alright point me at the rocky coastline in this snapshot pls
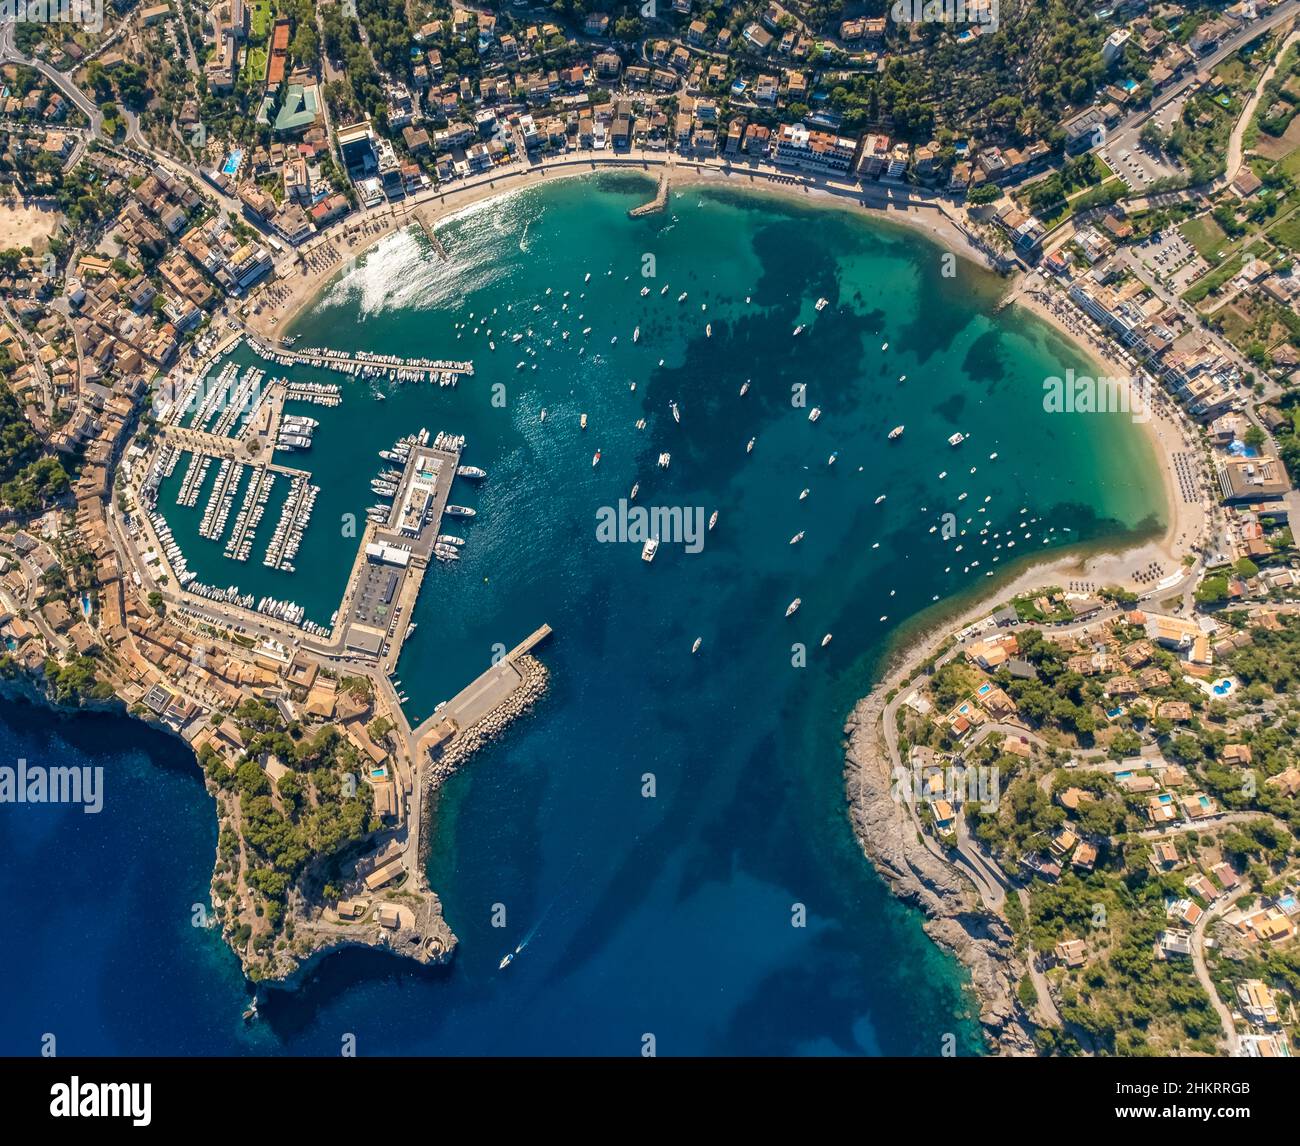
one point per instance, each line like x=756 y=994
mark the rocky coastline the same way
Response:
x=955 y=919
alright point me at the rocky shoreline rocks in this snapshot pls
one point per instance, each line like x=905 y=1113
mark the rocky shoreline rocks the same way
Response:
x=955 y=918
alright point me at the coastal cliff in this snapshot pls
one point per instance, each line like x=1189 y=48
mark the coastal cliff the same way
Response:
x=954 y=917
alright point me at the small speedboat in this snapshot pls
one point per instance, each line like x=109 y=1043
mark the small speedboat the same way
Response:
x=695 y=648
x=803 y=494
x=749 y=446
x=713 y=519
x=895 y=433
x=826 y=640
x=831 y=460
x=595 y=459
x=744 y=388
x=878 y=500
x=793 y=607
x=798 y=537
x=582 y=421
x=636 y=486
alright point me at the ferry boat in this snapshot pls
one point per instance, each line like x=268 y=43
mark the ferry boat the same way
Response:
x=595 y=459
x=749 y=446
x=713 y=519
x=744 y=388
x=695 y=648
x=822 y=304
x=895 y=433
x=677 y=414
x=636 y=487
x=649 y=549
x=798 y=537
x=471 y=472
x=793 y=607
x=582 y=422
x=826 y=640
x=956 y=439
x=460 y=511
x=814 y=413
x=664 y=459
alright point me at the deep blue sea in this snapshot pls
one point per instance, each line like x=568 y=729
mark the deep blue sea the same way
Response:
x=668 y=915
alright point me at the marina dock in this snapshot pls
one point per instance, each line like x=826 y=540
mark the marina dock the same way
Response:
x=393 y=558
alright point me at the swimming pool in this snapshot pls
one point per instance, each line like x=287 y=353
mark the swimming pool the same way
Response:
x=233 y=160
x=1224 y=686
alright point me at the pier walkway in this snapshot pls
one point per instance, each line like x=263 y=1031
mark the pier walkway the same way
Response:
x=488 y=692
x=658 y=203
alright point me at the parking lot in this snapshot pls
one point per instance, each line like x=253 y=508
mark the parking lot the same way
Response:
x=1136 y=164
x=1169 y=258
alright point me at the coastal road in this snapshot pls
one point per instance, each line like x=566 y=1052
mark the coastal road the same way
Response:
x=1125 y=135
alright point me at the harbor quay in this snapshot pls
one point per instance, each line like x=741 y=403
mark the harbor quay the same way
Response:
x=225 y=416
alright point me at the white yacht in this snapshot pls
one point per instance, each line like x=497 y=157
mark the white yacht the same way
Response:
x=814 y=413
x=956 y=439
x=649 y=549
x=793 y=607
x=895 y=433
x=798 y=537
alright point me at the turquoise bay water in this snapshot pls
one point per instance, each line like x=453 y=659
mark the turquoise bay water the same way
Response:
x=668 y=914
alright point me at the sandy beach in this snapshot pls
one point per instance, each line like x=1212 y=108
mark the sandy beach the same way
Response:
x=273 y=306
